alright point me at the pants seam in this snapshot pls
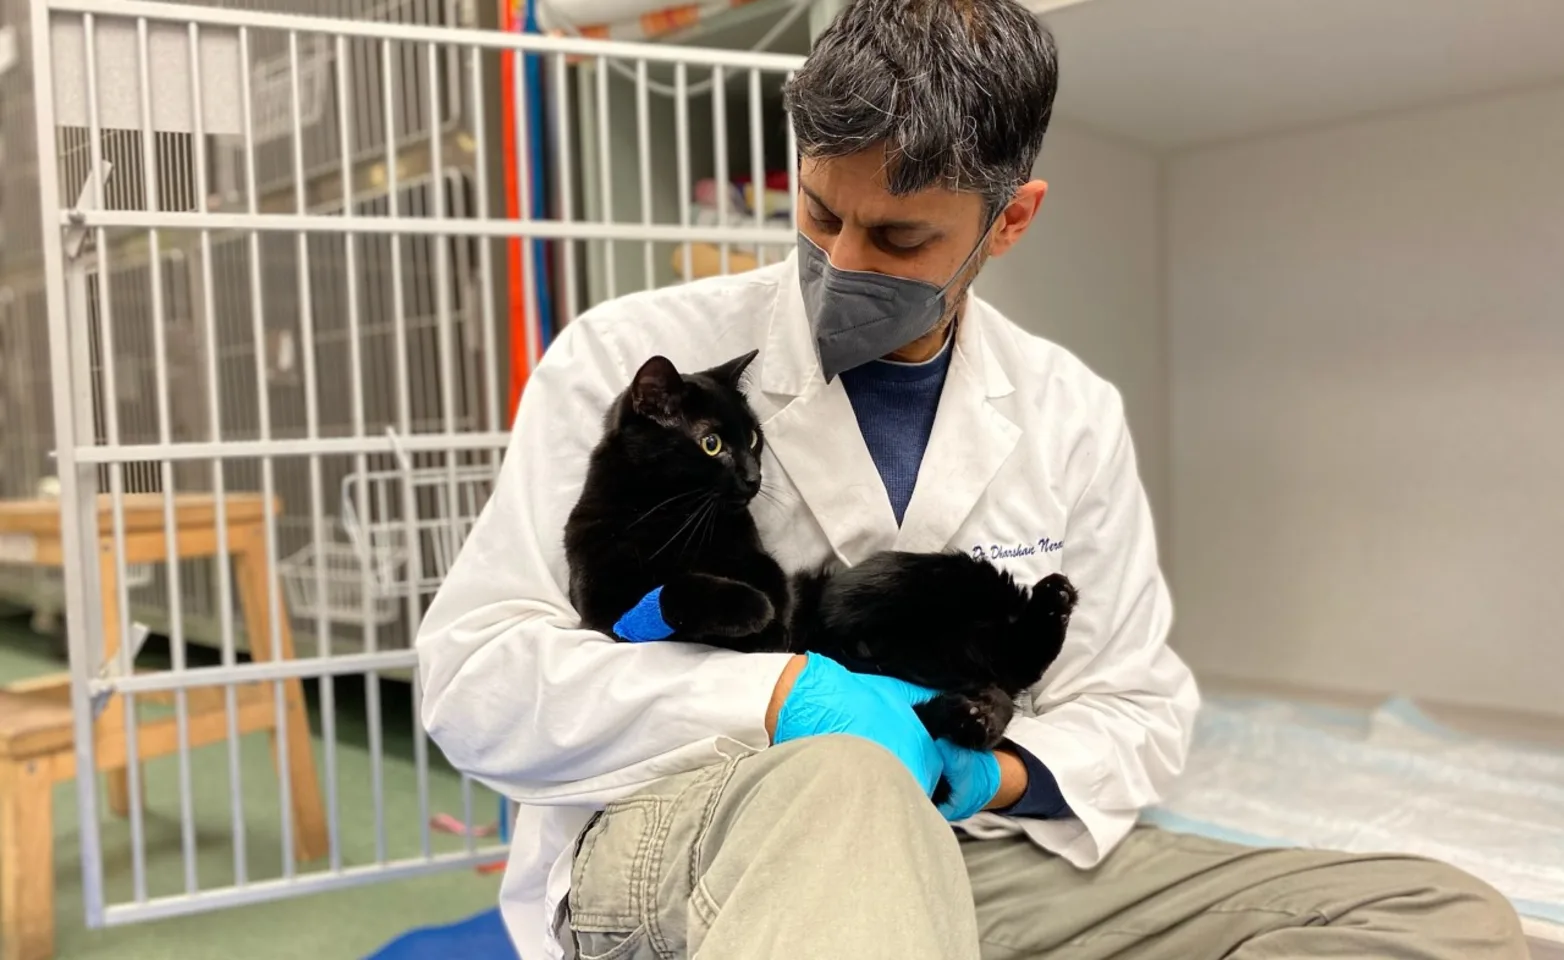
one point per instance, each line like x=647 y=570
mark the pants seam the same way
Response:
x=655 y=937
x=1279 y=911
x=648 y=856
x=1293 y=915
x=651 y=809
x=722 y=775
x=657 y=839
x=704 y=904
x=700 y=899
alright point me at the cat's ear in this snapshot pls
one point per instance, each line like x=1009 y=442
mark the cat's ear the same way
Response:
x=656 y=390
x=730 y=372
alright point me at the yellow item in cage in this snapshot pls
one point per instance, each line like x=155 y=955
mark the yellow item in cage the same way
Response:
x=706 y=261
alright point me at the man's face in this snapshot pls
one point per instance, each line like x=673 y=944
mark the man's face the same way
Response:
x=846 y=210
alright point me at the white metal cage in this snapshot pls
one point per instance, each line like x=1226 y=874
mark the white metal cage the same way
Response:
x=309 y=306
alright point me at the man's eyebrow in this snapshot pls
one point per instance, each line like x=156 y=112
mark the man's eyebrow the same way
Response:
x=876 y=225
x=816 y=198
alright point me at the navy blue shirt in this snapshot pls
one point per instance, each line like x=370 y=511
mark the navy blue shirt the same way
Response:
x=895 y=405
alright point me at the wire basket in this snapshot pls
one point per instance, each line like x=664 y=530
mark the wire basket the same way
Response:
x=271 y=83
x=436 y=505
x=338 y=567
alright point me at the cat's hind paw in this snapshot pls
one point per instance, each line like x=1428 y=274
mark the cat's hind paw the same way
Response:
x=1056 y=596
x=977 y=722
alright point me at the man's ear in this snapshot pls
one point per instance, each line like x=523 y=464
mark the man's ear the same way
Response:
x=730 y=372
x=656 y=390
x=1017 y=215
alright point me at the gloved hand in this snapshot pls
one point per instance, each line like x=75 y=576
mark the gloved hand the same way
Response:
x=973 y=776
x=828 y=698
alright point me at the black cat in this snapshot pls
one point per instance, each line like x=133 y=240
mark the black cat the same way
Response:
x=666 y=503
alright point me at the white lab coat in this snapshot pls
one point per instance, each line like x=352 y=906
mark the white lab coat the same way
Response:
x=1030 y=463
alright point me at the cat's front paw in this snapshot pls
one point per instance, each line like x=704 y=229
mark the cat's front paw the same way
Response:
x=737 y=610
x=701 y=605
x=977 y=722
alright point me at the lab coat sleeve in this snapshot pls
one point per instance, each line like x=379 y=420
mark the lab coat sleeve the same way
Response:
x=1115 y=711
x=514 y=692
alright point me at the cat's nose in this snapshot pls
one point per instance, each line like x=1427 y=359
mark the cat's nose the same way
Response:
x=750 y=477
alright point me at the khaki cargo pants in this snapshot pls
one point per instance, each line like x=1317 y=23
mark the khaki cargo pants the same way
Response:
x=824 y=849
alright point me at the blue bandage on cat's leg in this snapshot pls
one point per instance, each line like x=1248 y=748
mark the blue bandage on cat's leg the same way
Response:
x=645 y=620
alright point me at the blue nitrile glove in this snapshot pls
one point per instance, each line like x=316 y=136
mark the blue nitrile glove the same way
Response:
x=645 y=620
x=828 y=698
x=973 y=776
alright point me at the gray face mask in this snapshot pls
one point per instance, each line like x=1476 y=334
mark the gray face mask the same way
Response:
x=859 y=316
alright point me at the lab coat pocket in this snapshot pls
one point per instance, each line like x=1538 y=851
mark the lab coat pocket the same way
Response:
x=610 y=878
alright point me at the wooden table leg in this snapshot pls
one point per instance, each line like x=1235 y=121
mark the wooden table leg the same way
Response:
x=113 y=716
x=26 y=859
x=255 y=583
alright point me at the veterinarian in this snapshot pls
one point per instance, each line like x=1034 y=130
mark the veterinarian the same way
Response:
x=766 y=806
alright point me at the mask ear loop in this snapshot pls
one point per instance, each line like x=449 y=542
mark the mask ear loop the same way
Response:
x=955 y=320
x=982 y=242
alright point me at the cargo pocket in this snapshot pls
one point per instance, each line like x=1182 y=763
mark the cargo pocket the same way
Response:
x=611 y=880
x=612 y=946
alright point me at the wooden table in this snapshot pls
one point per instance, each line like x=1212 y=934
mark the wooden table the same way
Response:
x=37 y=748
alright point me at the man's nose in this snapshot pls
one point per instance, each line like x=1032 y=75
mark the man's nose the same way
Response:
x=851 y=250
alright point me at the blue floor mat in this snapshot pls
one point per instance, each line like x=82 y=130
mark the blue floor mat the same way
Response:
x=479 y=937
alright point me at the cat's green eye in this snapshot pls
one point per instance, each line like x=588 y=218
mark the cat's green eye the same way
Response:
x=754 y=439
x=711 y=444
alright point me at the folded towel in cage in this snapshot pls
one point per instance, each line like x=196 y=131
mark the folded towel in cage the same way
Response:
x=1271 y=773
x=775 y=200
x=707 y=259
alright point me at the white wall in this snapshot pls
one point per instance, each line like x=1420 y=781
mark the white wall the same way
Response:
x=1088 y=276
x=1367 y=370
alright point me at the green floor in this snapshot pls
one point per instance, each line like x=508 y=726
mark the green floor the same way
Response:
x=341 y=924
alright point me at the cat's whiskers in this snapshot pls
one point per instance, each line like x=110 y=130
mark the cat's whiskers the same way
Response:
x=706 y=504
x=677 y=496
x=768 y=492
x=703 y=526
x=708 y=526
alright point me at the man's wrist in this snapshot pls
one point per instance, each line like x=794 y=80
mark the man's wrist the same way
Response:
x=1012 y=780
x=780 y=691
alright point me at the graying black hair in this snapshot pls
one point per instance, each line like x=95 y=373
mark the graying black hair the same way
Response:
x=959 y=92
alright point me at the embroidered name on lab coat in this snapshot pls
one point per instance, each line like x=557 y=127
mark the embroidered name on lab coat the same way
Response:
x=995 y=551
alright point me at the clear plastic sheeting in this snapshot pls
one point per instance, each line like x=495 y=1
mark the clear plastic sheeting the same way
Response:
x=1271 y=773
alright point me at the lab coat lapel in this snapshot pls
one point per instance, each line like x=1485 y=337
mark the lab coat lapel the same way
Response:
x=970 y=441
x=814 y=435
